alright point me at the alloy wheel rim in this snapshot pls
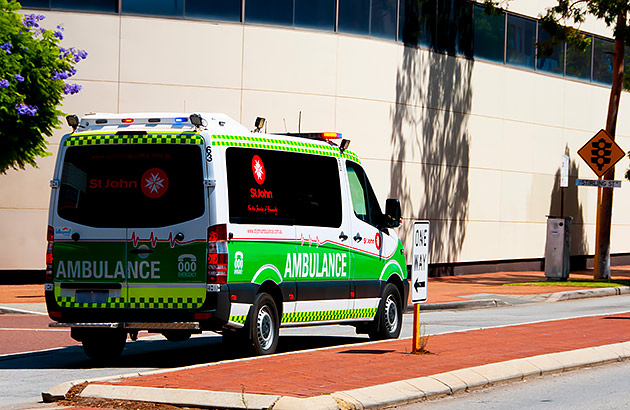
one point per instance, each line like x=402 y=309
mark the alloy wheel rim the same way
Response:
x=264 y=328
x=391 y=314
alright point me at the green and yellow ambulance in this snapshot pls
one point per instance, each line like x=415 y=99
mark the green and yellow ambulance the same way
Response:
x=181 y=223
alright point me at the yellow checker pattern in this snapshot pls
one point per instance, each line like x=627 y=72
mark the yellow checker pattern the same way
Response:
x=164 y=303
x=327 y=315
x=319 y=316
x=109 y=139
x=282 y=145
x=134 y=303
x=112 y=303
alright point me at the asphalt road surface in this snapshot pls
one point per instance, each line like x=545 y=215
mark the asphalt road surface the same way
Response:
x=596 y=388
x=26 y=369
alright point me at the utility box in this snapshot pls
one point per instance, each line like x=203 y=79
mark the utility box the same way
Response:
x=558 y=248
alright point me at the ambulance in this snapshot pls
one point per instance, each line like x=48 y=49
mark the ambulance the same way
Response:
x=183 y=223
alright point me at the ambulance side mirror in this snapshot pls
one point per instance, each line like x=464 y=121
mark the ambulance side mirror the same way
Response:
x=392 y=213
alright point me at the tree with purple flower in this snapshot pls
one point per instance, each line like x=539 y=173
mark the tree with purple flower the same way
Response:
x=33 y=69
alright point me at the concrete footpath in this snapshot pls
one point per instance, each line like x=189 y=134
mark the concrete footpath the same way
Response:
x=382 y=374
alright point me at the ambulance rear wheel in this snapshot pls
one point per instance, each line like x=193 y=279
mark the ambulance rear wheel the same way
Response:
x=388 y=320
x=104 y=345
x=264 y=325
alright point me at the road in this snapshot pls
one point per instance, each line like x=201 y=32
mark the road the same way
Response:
x=597 y=388
x=24 y=376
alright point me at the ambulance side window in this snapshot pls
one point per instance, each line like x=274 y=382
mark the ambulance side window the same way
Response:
x=364 y=202
x=283 y=188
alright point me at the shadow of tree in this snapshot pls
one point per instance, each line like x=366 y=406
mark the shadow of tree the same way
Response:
x=431 y=148
x=572 y=207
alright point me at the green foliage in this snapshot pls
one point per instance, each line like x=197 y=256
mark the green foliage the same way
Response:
x=33 y=67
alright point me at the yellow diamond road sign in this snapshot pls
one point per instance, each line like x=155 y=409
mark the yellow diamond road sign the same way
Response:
x=601 y=153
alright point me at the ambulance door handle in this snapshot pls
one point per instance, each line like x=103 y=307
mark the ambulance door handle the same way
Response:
x=343 y=236
x=357 y=237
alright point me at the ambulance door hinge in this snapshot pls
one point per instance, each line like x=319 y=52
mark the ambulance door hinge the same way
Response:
x=209 y=183
x=54 y=183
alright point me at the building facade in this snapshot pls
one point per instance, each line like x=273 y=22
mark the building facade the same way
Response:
x=449 y=108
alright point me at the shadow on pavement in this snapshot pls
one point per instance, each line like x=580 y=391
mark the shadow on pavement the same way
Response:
x=164 y=354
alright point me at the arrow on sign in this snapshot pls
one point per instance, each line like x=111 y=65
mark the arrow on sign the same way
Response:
x=419 y=284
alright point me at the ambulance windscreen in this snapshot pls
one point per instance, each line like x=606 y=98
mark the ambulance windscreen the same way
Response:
x=115 y=186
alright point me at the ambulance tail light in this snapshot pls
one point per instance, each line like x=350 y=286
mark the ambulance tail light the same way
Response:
x=50 y=236
x=217 y=254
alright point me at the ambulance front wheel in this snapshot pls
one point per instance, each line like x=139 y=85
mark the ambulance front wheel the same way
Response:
x=264 y=325
x=388 y=320
x=102 y=345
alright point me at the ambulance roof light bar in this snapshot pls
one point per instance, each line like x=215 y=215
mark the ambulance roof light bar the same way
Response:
x=321 y=136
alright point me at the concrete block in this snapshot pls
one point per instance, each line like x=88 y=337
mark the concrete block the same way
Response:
x=350 y=400
x=498 y=372
x=181 y=397
x=471 y=378
x=311 y=403
x=451 y=380
x=621 y=349
x=57 y=392
x=384 y=395
x=526 y=368
x=430 y=386
x=546 y=363
x=581 y=357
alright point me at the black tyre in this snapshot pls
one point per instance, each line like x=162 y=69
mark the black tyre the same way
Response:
x=104 y=345
x=264 y=325
x=388 y=320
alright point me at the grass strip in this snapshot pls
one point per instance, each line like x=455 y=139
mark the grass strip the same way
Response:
x=582 y=283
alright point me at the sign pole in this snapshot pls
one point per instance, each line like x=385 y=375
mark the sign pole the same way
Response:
x=598 y=221
x=416 y=328
x=419 y=278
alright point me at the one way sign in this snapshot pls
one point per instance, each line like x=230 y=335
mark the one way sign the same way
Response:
x=420 y=261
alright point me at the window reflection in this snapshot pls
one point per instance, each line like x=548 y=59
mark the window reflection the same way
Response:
x=319 y=14
x=455 y=25
x=521 y=36
x=269 y=11
x=550 y=57
x=417 y=22
x=229 y=10
x=579 y=62
x=368 y=17
x=154 y=7
x=603 y=53
x=489 y=34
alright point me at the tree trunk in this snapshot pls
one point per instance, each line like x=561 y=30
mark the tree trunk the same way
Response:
x=602 y=254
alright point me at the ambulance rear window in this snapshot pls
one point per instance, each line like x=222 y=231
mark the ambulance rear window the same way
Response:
x=139 y=186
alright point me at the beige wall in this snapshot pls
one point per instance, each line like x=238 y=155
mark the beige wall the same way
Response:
x=473 y=146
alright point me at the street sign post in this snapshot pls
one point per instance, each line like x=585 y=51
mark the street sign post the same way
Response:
x=419 y=276
x=564 y=181
x=601 y=153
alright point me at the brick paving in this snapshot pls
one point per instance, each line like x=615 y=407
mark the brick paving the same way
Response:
x=306 y=374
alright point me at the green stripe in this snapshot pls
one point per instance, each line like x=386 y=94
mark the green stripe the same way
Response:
x=282 y=145
x=151 y=138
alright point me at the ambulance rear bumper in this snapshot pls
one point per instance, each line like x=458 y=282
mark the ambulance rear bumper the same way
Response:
x=133 y=325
